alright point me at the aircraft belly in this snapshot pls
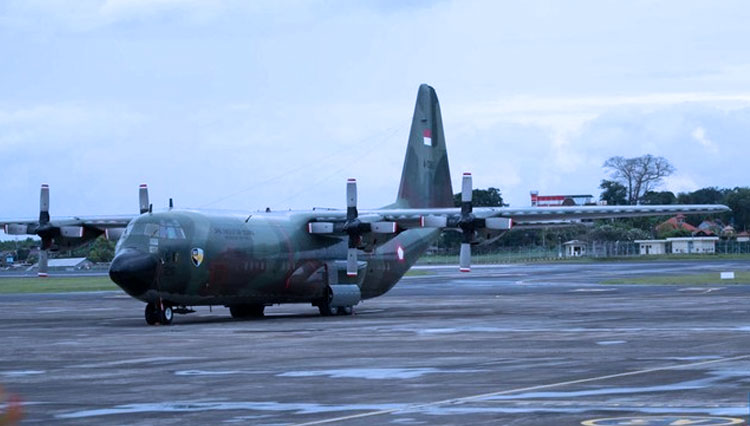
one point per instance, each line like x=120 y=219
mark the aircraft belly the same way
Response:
x=271 y=264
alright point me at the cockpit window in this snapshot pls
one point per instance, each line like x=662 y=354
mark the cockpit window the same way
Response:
x=151 y=230
x=166 y=229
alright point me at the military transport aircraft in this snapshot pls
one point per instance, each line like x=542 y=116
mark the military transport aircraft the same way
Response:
x=330 y=258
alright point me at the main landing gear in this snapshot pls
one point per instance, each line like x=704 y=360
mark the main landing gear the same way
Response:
x=247 y=311
x=159 y=313
x=327 y=310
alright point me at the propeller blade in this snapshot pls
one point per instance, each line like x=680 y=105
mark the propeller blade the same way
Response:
x=320 y=228
x=464 y=260
x=434 y=221
x=44 y=205
x=384 y=227
x=43 y=257
x=351 y=199
x=71 y=231
x=466 y=188
x=351 y=262
x=143 y=198
x=16 y=229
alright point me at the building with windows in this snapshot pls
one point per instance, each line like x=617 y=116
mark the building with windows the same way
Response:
x=651 y=247
x=693 y=245
x=560 y=200
x=574 y=248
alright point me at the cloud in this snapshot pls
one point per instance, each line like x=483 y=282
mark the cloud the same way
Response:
x=699 y=134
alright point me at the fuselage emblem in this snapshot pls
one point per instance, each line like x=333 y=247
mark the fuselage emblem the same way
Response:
x=400 y=253
x=196 y=255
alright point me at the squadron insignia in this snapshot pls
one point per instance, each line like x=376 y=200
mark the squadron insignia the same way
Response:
x=196 y=255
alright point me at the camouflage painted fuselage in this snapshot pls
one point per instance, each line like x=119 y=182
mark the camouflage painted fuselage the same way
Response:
x=208 y=258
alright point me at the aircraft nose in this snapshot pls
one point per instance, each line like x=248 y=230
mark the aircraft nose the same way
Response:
x=134 y=271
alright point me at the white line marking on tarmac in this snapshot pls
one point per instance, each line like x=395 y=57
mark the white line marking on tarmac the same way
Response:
x=526 y=389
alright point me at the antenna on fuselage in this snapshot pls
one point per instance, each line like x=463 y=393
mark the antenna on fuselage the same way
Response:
x=171 y=204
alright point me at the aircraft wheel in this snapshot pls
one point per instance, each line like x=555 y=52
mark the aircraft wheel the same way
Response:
x=345 y=310
x=167 y=315
x=327 y=310
x=152 y=314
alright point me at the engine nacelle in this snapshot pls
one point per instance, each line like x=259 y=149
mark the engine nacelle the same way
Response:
x=113 y=234
x=16 y=229
x=342 y=295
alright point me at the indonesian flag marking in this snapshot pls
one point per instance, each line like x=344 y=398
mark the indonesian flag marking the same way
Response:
x=400 y=254
x=427 y=137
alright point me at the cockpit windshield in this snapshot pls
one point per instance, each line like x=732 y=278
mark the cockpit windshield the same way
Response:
x=168 y=229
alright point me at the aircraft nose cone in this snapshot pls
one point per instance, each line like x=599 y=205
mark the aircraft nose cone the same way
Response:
x=134 y=271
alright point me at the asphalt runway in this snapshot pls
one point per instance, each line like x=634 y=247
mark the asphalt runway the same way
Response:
x=508 y=345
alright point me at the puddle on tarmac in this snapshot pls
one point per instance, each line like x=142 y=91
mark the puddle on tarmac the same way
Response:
x=373 y=373
x=21 y=373
x=197 y=406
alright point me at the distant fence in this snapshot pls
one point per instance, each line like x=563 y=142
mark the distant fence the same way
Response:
x=595 y=249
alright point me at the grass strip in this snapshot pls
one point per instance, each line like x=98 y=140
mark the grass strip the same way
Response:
x=708 y=278
x=55 y=284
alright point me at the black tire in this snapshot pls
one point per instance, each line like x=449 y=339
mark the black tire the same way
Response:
x=345 y=310
x=247 y=311
x=152 y=314
x=327 y=310
x=167 y=315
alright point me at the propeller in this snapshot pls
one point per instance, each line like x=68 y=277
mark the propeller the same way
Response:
x=143 y=198
x=43 y=256
x=354 y=227
x=467 y=223
x=44 y=230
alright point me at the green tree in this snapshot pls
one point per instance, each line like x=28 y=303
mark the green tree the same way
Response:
x=616 y=232
x=710 y=195
x=613 y=193
x=673 y=233
x=661 y=197
x=489 y=197
x=638 y=175
x=101 y=250
x=738 y=199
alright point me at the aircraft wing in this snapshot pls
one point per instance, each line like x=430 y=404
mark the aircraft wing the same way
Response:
x=490 y=222
x=99 y=222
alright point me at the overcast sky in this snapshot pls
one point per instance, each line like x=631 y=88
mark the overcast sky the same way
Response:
x=249 y=104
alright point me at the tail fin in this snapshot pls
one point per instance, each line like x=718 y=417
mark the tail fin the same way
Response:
x=426 y=178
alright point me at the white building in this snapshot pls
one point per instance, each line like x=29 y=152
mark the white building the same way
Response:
x=575 y=248
x=68 y=264
x=651 y=247
x=697 y=245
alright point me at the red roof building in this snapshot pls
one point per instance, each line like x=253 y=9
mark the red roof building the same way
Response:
x=676 y=223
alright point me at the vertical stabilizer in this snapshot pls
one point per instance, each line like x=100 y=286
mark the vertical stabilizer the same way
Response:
x=426 y=179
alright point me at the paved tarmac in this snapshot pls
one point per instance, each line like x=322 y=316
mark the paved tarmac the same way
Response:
x=508 y=345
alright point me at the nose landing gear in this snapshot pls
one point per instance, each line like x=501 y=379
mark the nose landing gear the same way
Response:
x=158 y=313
